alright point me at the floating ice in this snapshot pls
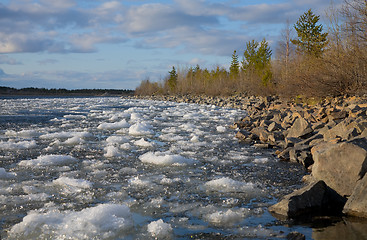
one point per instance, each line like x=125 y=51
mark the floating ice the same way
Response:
x=221 y=129
x=159 y=158
x=11 y=145
x=48 y=160
x=105 y=221
x=226 y=184
x=114 y=126
x=135 y=117
x=228 y=217
x=73 y=185
x=117 y=139
x=112 y=151
x=160 y=229
x=141 y=129
x=66 y=135
x=22 y=133
x=74 y=116
x=143 y=143
x=261 y=160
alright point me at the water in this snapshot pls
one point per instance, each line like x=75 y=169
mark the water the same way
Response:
x=111 y=168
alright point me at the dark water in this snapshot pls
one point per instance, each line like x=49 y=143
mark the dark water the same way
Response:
x=109 y=168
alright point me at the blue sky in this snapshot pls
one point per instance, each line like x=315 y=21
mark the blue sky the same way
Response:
x=116 y=44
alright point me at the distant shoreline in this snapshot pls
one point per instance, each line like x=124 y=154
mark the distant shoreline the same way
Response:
x=9 y=92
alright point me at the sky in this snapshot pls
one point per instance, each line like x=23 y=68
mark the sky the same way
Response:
x=78 y=44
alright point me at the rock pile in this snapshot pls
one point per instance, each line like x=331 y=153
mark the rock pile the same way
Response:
x=329 y=139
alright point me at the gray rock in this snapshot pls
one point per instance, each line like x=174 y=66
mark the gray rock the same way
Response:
x=316 y=198
x=357 y=202
x=296 y=236
x=300 y=128
x=340 y=165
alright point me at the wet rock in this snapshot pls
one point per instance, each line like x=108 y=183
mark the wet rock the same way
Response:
x=340 y=165
x=316 y=198
x=300 y=128
x=296 y=236
x=357 y=202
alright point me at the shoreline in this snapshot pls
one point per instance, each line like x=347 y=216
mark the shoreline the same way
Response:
x=329 y=138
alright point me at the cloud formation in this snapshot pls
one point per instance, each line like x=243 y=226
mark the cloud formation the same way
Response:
x=203 y=29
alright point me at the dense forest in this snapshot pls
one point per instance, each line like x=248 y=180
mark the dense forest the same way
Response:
x=310 y=60
x=7 y=91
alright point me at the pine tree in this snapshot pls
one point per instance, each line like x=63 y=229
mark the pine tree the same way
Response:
x=311 y=40
x=234 y=69
x=172 y=80
x=257 y=60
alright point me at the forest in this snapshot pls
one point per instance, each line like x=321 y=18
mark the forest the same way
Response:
x=311 y=59
x=8 y=91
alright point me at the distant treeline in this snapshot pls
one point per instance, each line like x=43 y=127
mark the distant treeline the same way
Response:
x=310 y=61
x=8 y=91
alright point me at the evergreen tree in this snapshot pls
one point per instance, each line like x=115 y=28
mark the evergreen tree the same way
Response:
x=257 y=60
x=172 y=80
x=311 y=40
x=235 y=65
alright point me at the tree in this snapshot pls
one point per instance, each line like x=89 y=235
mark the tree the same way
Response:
x=311 y=40
x=234 y=69
x=257 y=60
x=172 y=80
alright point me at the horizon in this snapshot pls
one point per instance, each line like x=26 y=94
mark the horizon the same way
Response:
x=117 y=44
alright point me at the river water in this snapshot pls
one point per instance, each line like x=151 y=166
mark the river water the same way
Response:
x=112 y=168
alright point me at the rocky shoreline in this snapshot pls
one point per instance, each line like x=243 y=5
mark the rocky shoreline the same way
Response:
x=329 y=138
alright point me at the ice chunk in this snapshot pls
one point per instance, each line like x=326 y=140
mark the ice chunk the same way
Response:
x=112 y=151
x=48 y=160
x=226 y=184
x=221 y=129
x=10 y=145
x=143 y=143
x=66 y=135
x=105 y=221
x=117 y=139
x=114 y=126
x=72 y=185
x=159 y=158
x=160 y=229
x=23 y=133
x=228 y=217
x=141 y=128
x=261 y=160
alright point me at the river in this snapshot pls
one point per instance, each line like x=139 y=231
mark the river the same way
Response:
x=112 y=168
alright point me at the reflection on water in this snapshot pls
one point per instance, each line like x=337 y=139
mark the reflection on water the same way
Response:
x=347 y=229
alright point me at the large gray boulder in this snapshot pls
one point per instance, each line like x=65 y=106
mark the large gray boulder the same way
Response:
x=340 y=165
x=357 y=203
x=299 y=128
x=316 y=198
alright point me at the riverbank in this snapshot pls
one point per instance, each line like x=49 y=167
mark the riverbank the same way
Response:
x=327 y=137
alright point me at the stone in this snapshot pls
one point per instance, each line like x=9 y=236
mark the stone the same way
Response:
x=300 y=128
x=357 y=202
x=316 y=198
x=296 y=236
x=273 y=127
x=340 y=165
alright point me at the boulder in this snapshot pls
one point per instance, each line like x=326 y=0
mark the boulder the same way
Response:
x=340 y=165
x=357 y=202
x=316 y=198
x=300 y=128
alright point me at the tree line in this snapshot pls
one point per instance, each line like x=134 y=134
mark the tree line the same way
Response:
x=62 y=92
x=309 y=60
